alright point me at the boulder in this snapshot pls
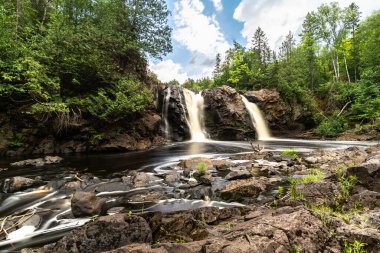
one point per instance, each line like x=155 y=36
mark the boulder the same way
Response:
x=105 y=233
x=86 y=204
x=16 y=184
x=368 y=173
x=140 y=179
x=226 y=117
x=191 y=165
x=320 y=193
x=246 y=188
x=239 y=173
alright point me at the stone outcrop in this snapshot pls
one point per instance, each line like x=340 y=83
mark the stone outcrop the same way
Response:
x=279 y=114
x=179 y=130
x=225 y=115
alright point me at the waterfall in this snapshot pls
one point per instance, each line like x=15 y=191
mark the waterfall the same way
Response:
x=258 y=121
x=165 y=112
x=194 y=117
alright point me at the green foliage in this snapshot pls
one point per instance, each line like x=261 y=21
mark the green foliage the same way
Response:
x=16 y=142
x=202 y=168
x=291 y=152
x=313 y=176
x=281 y=191
x=59 y=56
x=115 y=103
x=347 y=184
x=355 y=247
x=331 y=126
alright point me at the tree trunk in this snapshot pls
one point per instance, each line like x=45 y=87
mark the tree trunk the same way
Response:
x=345 y=63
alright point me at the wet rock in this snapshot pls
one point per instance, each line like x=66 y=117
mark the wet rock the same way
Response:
x=86 y=204
x=38 y=162
x=140 y=179
x=246 y=188
x=239 y=173
x=199 y=192
x=106 y=233
x=222 y=165
x=225 y=115
x=16 y=184
x=172 y=178
x=192 y=164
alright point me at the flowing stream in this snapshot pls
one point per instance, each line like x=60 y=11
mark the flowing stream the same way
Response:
x=258 y=120
x=50 y=204
x=194 y=105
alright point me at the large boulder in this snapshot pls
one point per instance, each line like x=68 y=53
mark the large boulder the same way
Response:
x=176 y=111
x=86 y=204
x=106 y=233
x=279 y=114
x=226 y=117
x=16 y=184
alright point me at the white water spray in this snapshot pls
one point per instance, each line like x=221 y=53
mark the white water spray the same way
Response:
x=194 y=104
x=258 y=121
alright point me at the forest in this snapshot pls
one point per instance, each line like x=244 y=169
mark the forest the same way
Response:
x=334 y=71
x=64 y=59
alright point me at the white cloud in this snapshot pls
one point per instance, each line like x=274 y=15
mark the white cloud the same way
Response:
x=278 y=17
x=218 y=5
x=199 y=33
x=168 y=70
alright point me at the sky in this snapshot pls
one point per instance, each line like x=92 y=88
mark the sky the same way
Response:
x=204 y=28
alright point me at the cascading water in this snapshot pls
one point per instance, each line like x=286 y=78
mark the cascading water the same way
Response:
x=194 y=105
x=165 y=113
x=258 y=121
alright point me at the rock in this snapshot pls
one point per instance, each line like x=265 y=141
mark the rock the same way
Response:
x=222 y=165
x=16 y=184
x=350 y=233
x=241 y=173
x=226 y=117
x=311 y=159
x=105 y=233
x=279 y=114
x=246 y=188
x=172 y=178
x=192 y=164
x=38 y=162
x=179 y=130
x=319 y=193
x=86 y=204
x=366 y=199
x=140 y=179
x=368 y=173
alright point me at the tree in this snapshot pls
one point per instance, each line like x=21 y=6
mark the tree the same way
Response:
x=217 y=68
x=287 y=46
x=260 y=46
x=351 y=19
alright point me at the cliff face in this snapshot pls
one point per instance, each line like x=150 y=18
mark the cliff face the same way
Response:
x=225 y=115
x=280 y=114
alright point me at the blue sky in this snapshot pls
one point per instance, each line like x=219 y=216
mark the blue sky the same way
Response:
x=203 y=28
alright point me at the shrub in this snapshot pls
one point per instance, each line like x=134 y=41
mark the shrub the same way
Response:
x=202 y=168
x=331 y=126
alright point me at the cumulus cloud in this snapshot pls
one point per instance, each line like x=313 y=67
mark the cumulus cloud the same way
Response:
x=197 y=32
x=278 y=17
x=218 y=5
x=168 y=70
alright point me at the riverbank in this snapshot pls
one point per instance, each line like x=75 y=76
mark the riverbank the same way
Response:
x=322 y=200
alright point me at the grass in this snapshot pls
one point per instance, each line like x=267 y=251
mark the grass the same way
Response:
x=291 y=152
x=355 y=247
x=202 y=168
x=313 y=176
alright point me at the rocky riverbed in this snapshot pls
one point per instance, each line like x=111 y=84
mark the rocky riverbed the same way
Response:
x=321 y=201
